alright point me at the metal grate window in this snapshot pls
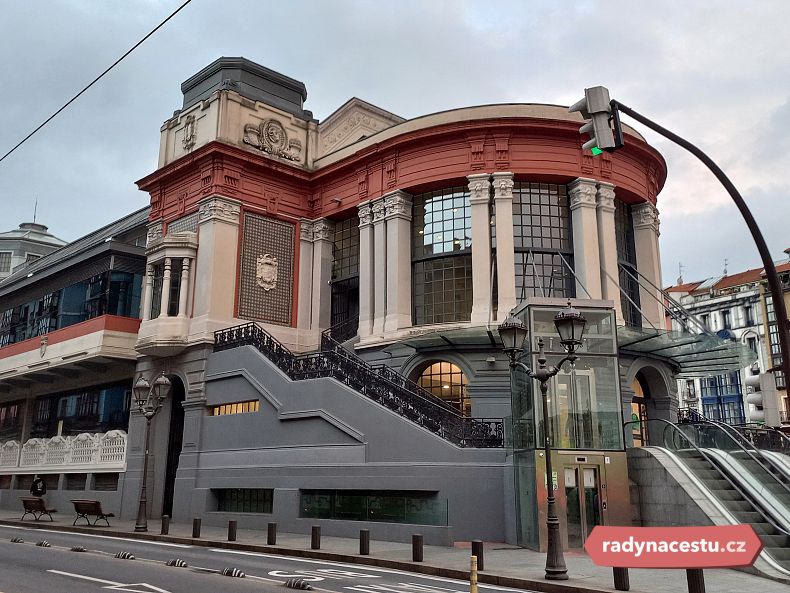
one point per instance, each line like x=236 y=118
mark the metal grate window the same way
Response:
x=5 y=262
x=442 y=290
x=446 y=381
x=441 y=222
x=345 y=249
x=626 y=259
x=244 y=500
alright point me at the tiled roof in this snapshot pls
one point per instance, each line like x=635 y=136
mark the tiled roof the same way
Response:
x=686 y=287
x=738 y=279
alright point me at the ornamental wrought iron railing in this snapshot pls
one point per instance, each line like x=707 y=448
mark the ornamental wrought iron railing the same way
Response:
x=376 y=382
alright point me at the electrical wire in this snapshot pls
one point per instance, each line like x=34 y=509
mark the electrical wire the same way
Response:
x=95 y=80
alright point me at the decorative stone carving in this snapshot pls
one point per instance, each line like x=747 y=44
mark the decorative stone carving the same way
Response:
x=397 y=205
x=190 y=133
x=503 y=186
x=391 y=172
x=270 y=137
x=582 y=193
x=305 y=230
x=154 y=232
x=646 y=216
x=378 y=209
x=344 y=128
x=605 y=197
x=479 y=188
x=217 y=208
x=266 y=274
x=364 y=214
x=42 y=349
x=322 y=230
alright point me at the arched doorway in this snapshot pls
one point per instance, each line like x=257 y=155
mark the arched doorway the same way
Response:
x=639 y=410
x=448 y=382
x=174 y=440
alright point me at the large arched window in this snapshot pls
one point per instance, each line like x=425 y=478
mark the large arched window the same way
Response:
x=447 y=381
x=442 y=256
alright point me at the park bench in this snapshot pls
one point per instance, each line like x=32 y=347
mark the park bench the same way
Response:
x=87 y=508
x=35 y=506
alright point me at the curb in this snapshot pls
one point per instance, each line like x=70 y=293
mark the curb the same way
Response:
x=419 y=568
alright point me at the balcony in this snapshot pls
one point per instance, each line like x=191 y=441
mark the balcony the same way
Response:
x=86 y=452
x=94 y=345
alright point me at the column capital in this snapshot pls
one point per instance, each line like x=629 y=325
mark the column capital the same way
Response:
x=222 y=209
x=365 y=214
x=323 y=230
x=503 y=186
x=305 y=230
x=645 y=216
x=582 y=193
x=377 y=209
x=397 y=204
x=605 y=198
x=479 y=185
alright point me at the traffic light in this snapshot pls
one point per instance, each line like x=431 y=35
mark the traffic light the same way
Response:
x=596 y=107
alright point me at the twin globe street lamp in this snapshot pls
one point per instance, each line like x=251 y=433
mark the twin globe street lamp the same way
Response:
x=149 y=399
x=569 y=323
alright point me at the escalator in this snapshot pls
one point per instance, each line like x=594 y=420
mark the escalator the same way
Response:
x=743 y=483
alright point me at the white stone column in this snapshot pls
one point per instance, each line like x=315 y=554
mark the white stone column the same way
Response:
x=366 y=258
x=379 y=266
x=479 y=197
x=305 y=300
x=648 y=263
x=586 y=261
x=505 y=256
x=148 y=289
x=165 y=296
x=323 y=238
x=607 y=248
x=183 y=289
x=397 y=213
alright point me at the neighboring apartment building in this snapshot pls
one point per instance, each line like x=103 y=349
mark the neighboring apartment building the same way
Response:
x=23 y=245
x=772 y=345
x=324 y=296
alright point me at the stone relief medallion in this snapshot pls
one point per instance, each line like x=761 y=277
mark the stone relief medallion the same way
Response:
x=190 y=133
x=270 y=137
x=266 y=275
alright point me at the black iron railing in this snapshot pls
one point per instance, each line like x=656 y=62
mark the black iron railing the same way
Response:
x=378 y=383
x=686 y=415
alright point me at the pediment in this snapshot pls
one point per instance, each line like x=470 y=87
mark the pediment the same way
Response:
x=353 y=121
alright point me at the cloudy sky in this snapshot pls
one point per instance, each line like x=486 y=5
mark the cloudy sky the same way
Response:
x=715 y=72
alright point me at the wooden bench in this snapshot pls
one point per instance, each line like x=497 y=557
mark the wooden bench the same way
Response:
x=87 y=508
x=35 y=506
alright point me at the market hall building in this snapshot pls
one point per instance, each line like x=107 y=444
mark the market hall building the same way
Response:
x=323 y=297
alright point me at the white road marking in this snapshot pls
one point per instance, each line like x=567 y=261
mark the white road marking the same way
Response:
x=359 y=567
x=112 y=585
x=87 y=578
x=122 y=539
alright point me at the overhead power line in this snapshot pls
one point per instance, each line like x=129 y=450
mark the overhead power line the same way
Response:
x=95 y=80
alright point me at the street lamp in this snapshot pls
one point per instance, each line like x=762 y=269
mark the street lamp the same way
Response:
x=149 y=400
x=569 y=323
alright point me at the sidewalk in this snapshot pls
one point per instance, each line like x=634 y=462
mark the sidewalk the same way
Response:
x=505 y=565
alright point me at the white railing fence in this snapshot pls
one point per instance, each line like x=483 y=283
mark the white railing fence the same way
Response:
x=86 y=449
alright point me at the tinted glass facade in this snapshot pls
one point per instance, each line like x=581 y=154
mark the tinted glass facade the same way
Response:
x=626 y=260
x=345 y=271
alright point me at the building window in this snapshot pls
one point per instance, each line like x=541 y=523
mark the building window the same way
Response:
x=175 y=286
x=96 y=410
x=235 y=408
x=705 y=320
x=725 y=319
x=390 y=506
x=105 y=482
x=10 y=427
x=5 y=262
x=29 y=257
x=722 y=398
x=345 y=271
x=751 y=342
x=748 y=316
x=244 y=500
x=542 y=241
x=626 y=264
x=446 y=381
x=773 y=343
x=158 y=271
x=441 y=256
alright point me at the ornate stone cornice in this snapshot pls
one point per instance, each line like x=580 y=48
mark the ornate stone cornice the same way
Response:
x=645 y=216
x=582 y=192
x=365 y=216
x=605 y=198
x=377 y=207
x=397 y=205
x=216 y=208
x=323 y=230
x=305 y=230
x=479 y=188
x=503 y=186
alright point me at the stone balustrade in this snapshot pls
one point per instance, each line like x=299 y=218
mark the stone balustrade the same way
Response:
x=82 y=452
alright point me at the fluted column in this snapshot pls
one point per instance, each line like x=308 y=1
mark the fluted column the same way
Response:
x=586 y=261
x=148 y=289
x=648 y=262
x=479 y=197
x=397 y=213
x=183 y=290
x=379 y=267
x=365 y=270
x=505 y=257
x=607 y=247
x=305 y=300
x=165 y=296
x=323 y=237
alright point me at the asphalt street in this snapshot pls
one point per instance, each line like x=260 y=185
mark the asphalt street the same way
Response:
x=28 y=568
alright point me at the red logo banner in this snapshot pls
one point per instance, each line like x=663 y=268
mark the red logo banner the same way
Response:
x=721 y=546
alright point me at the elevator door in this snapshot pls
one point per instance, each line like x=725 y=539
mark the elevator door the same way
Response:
x=583 y=496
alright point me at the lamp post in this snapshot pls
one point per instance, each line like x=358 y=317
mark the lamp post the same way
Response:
x=149 y=400
x=569 y=323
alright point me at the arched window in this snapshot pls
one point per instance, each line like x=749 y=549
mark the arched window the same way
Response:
x=447 y=381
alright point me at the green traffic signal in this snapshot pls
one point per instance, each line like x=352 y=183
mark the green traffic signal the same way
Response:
x=596 y=151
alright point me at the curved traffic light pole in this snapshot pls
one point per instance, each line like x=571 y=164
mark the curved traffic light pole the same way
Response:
x=780 y=311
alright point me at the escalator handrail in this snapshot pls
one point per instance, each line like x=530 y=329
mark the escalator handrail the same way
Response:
x=758 y=427
x=667 y=424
